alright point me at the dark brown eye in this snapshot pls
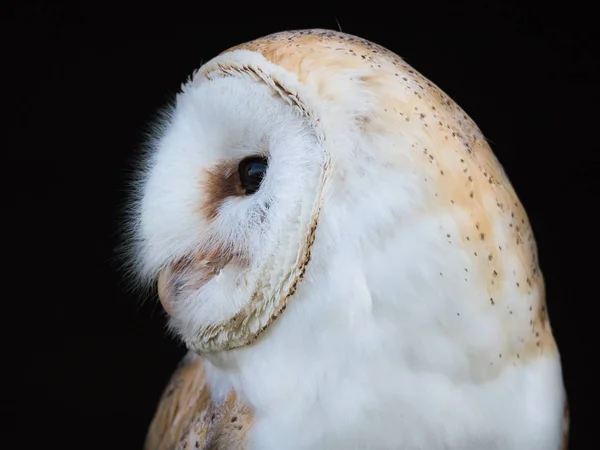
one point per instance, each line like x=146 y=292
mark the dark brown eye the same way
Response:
x=252 y=170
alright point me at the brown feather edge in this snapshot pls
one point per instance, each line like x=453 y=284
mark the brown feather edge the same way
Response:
x=185 y=396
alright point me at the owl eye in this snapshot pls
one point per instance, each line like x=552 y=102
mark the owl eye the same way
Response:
x=252 y=170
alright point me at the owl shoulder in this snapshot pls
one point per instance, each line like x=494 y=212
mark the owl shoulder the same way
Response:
x=187 y=417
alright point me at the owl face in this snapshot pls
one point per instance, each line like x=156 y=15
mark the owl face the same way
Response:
x=226 y=209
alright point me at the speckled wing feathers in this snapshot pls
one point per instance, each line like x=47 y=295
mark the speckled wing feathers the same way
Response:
x=188 y=418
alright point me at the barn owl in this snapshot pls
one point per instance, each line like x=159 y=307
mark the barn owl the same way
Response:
x=345 y=259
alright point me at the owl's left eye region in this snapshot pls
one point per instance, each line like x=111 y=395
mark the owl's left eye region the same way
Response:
x=252 y=170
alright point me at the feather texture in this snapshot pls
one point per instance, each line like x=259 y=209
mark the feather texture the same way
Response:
x=385 y=238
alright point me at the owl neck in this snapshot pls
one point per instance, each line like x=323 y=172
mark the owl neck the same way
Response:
x=314 y=360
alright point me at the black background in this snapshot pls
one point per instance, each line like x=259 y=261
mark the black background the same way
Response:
x=88 y=360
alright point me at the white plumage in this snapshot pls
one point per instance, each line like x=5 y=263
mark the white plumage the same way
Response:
x=379 y=290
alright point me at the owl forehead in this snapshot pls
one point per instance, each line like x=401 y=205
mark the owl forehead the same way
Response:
x=224 y=116
x=341 y=67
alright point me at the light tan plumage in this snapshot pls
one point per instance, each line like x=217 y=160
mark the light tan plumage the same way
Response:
x=188 y=418
x=461 y=174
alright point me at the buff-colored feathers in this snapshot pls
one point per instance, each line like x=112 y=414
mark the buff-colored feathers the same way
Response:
x=188 y=418
x=380 y=290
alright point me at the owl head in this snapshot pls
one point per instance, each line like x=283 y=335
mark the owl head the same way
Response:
x=301 y=148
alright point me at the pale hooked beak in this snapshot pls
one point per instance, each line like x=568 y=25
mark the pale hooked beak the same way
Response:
x=166 y=292
x=190 y=275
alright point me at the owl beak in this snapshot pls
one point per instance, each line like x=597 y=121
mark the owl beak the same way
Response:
x=166 y=293
x=188 y=275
